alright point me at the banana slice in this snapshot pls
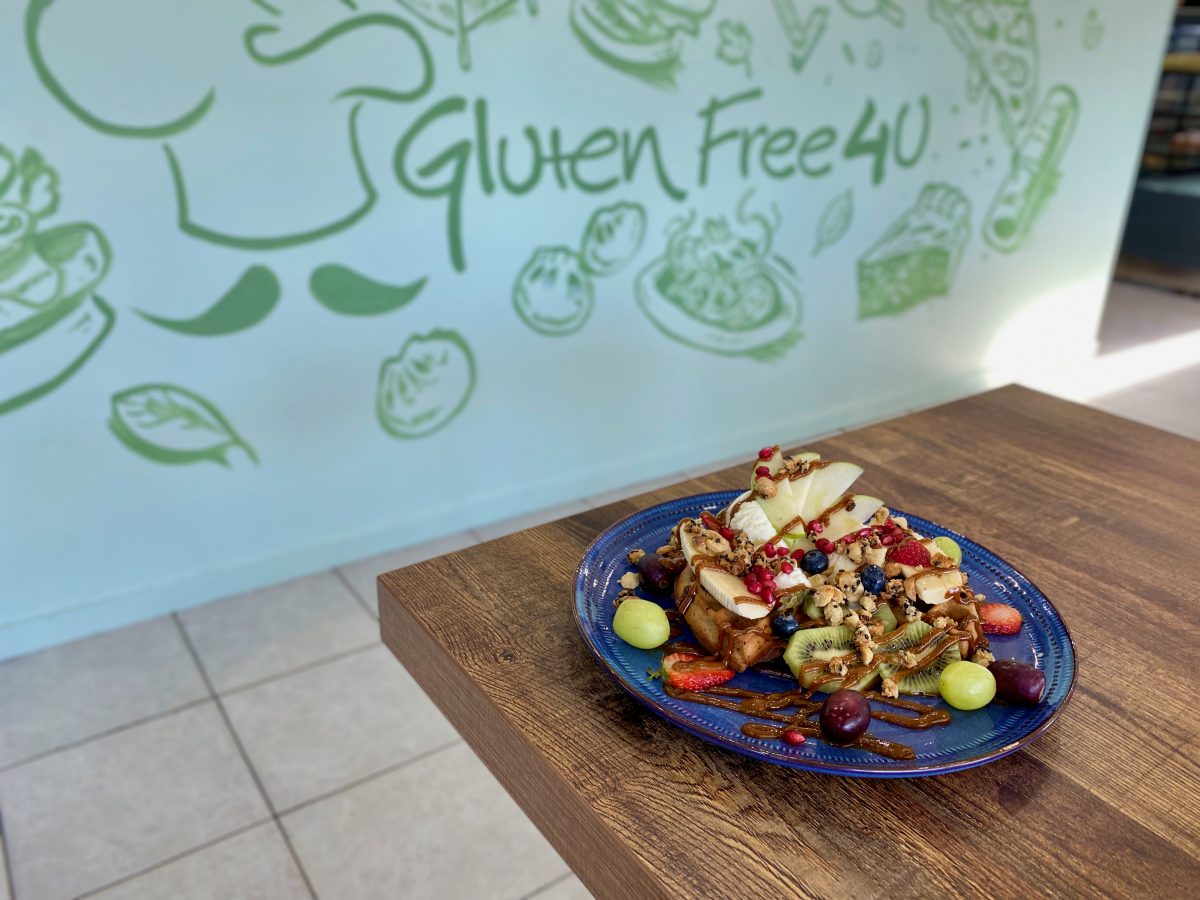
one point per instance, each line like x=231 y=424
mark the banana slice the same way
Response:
x=726 y=589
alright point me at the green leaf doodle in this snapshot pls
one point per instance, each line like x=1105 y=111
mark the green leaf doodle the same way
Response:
x=735 y=44
x=169 y=424
x=802 y=34
x=243 y=306
x=348 y=293
x=459 y=18
x=835 y=221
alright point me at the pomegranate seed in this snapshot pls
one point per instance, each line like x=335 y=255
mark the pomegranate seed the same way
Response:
x=768 y=579
x=786 y=568
x=825 y=546
x=887 y=540
x=769 y=550
x=815 y=527
x=793 y=737
x=766 y=453
x=726 y=533
x=798 y=553
x=754 y=588
x=763 y=472
x=768 y=596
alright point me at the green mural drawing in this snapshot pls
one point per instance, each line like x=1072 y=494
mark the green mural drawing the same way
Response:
x=458 y=18
x=722 y=290
x=188 y=119
x=51 y=319
x=426 y=385
x=803 y=35
x=642 y=38
x=243 y=306
x=848 y=53
x=349 y=293
x=1034 y=174
x=735 y=45
x=835 y=221
x=917 y=257
x=874 y=58
x=888 y=10
x=169 y=424
x=613 y=236
x=553 y=293
x=1093 y=30
x=999 y=40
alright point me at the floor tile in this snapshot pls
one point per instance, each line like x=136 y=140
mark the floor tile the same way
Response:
x=1134 y=314
x=324 y=727
x=71 y=692
x=532 y=520
x=86 y=816
x=632 y=490
x=441 y=827
x=267 y=632
x=569 y=888
x=361 y=575
x=252 y=865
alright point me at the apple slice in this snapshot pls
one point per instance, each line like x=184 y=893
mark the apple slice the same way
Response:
x=801 y=485
x=726 y=589
x=826 y=486
x=844 y=521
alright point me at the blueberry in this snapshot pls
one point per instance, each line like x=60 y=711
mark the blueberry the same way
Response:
x=785 y=625
x=814 y=561
x=873 y=579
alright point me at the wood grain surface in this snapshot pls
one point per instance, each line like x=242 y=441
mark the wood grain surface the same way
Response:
x=1101 y=513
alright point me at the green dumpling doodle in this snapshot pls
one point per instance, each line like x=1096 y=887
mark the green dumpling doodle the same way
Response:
x=426 y=385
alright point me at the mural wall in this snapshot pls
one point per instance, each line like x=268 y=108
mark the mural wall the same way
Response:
x=285 y=283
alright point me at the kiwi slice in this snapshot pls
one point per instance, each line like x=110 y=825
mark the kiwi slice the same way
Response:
x=924 y=681
x=822 y=644
x=811 y=609
x=883 y=613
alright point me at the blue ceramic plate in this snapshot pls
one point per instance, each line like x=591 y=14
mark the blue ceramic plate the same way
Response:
x=972 y=739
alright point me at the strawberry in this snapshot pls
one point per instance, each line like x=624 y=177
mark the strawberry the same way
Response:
x=999 y=618
x=910 y=553
x=708 y=674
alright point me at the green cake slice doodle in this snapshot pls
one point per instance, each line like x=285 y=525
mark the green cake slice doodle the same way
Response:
x=169 y=424
x=426 y=385
x=917 y=257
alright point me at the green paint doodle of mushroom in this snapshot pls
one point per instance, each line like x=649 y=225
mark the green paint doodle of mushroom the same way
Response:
x=722 y=290
x=243 y=306
x=349 y=293
x=172 y=425
x=613 y=237
x=459 y=18
x=803 y=34
x=426 y=385
x=735 y=44
x=553 y=292
x=51 y=319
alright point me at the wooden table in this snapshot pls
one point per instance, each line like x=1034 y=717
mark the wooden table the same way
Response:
x=1102 y=513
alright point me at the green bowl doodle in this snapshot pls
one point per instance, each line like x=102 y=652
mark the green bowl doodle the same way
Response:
x=553 y=293
x=426 y=385
x=761 y=319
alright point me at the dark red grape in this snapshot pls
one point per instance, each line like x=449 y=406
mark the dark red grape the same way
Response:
x=1017 y=682
x=845 y=716
x=655 y=577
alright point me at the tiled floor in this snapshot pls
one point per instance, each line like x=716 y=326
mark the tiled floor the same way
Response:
x=267 y=746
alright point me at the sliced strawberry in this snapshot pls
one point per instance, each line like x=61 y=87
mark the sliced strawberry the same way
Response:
x=910 y=553
x=698 y=677
x=999 y=618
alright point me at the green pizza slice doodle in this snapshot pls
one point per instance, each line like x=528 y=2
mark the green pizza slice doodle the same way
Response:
x=168 y=424
x=835 y=221
x=426 y=385
x=349 y=293
x=243 y=306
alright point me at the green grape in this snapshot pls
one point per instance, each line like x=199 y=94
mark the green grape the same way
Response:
x=641 y=623
x=965 y=685
x=950 y=548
